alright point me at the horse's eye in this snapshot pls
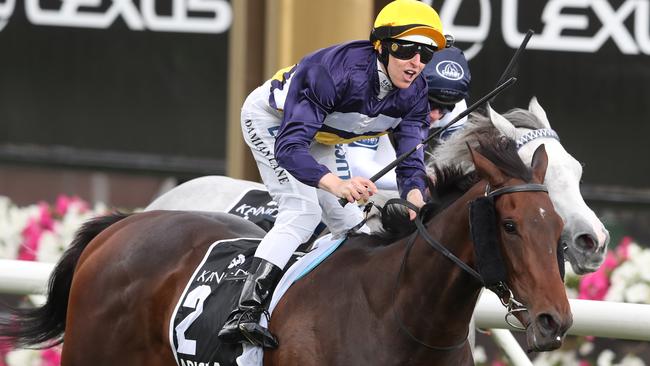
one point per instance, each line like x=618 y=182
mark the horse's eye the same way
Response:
x=510 y=227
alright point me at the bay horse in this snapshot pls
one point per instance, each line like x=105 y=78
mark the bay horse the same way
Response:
x=377 y=300
x=584 y=236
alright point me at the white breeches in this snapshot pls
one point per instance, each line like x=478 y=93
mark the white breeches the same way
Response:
x=300 y=207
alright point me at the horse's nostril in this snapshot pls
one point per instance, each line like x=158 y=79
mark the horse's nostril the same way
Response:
x=586 y=242
x=547 y=324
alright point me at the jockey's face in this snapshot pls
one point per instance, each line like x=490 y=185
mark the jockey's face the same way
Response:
x=403 y=72
x=436 y=114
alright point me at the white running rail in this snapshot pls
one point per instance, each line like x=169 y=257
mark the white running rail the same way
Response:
x=597 y=318
x=24 y=277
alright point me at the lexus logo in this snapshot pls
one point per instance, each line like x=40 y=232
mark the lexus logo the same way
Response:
x=6 y=9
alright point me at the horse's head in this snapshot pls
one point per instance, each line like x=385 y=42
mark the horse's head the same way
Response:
x=584 y=236
x=527 y=234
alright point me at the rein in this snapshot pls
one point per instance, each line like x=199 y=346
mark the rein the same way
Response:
x=500 y=288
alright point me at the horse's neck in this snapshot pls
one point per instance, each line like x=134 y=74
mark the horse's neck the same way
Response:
x=434 y=285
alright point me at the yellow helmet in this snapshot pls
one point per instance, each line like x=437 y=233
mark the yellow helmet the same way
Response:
x=410 y=19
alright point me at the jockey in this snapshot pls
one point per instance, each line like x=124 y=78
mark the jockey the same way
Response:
x=292 y=123
x=448 y=79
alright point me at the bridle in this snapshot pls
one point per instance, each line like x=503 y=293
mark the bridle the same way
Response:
x=535 y=134
x=500 y=288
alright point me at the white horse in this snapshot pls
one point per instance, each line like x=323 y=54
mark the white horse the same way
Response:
x=584 y=235
x=209 y=193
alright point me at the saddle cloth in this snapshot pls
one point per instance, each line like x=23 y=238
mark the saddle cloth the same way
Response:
x=213 y=292
x=256 y=206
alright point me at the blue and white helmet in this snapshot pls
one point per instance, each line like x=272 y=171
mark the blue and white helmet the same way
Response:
x=447 y=76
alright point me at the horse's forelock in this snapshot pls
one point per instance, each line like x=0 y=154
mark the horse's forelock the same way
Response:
x=502 y=152
x=450 y=184
x=452 y=178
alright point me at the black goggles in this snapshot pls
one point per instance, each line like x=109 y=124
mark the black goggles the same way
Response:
x=444 y=108
x=405 y=50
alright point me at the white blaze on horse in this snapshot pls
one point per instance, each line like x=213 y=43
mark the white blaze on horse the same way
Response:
x=584 y=236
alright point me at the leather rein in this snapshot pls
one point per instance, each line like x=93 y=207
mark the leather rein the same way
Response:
x=500 y=289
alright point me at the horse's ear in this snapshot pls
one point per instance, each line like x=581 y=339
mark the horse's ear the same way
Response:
x=536 y=109
x=539 y=163
x=485 y=168
x=502 y=124
x=483 y=109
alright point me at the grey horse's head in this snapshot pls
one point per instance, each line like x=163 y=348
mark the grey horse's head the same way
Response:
x=584 y=235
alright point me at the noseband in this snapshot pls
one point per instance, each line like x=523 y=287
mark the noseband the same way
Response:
x=494 y=281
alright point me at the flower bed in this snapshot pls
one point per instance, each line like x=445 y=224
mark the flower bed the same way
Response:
x=39 y=232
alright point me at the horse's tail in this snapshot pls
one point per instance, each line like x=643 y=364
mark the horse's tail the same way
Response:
x=34 y=326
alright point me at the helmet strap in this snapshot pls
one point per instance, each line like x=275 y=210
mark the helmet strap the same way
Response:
x=385 y=83
x=383 y=58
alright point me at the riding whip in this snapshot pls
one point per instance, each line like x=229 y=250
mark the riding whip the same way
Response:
x=462 y=114
x=515 y=57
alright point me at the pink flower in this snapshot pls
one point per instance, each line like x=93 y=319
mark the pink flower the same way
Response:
x=63 y=203
x=51 y=357
x=594 y=286
x=623 y=248
x=31 y=236
x=610 y=263
x=45 y=216
x=5 y=347
x=498 y=363
x=33 y=231
x=584 y=363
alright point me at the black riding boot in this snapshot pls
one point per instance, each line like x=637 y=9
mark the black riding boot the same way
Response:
x=242 y=324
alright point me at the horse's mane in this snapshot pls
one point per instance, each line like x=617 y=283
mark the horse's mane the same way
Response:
x=451 y=182
x=453 y=151
x=502 y=151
